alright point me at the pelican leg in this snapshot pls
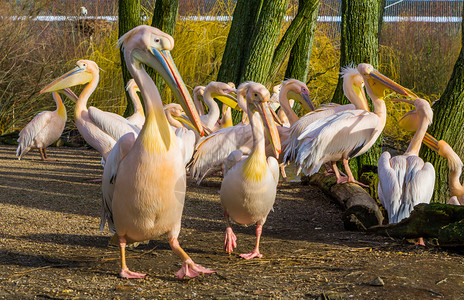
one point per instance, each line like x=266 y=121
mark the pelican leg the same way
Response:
x=454 y=201
x=43 y=154
x=255 y=253
x=189 y=268
x=230 y=241
x=350 y=174
x=282 y=171
x=125 y=272
x=420 y=242
x=331 y=167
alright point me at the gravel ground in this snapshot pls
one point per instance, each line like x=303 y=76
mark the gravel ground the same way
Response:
x=50 y=245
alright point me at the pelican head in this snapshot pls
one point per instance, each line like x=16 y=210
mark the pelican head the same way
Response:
x=411 y=120
x=148 y=45
x=83 y=73
x=257 y=98
x=298 y=91
x=221 y=91
x=353 y=87
x=378 y=82
x=132 y=85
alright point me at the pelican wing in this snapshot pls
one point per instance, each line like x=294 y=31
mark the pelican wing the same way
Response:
x=292 y=143
x=186 y=142
x=331 y=138
x=213 y=150
x=390 y=183
x=231 y=160
x=117 y=154
x=30 y=131
x=113 y=124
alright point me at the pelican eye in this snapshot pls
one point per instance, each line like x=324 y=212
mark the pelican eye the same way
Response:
x=157 y=40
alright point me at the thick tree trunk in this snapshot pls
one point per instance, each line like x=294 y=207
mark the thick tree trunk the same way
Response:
x=361 y=211
x=164 y=18
x=263 y=41
x=448 y=125
x=245 y=17
x=129 y=17
x=299 y=38
x=359 y=44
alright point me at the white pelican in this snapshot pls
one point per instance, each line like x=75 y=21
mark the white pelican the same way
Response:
x=248 y=190
x=220 y=91
x=45 y=128
x=212 y=151
x=353 y=88
x=348 y=133
x=99 y=128
x=174 y=111
x=411 y=121
x=138 y=117
x=455 y=166
x=405 y=180
x=144 y=180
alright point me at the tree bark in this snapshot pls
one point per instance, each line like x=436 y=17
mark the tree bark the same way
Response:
x=359 y=44
x=164 y=18
x=263 y=40
x=448 y=125
x=245 y=17
x=129 y=17
x=299 y=38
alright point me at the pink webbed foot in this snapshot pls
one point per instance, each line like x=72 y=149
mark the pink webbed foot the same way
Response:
x=251 y=255
x=420 y=242
x=191 y=269
x=346 y=179
x=126 y=273
x=230 y=242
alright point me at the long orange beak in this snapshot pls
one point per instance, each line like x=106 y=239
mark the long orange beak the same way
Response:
x=76 y=76
x=431 y=142
x=390 y=84
x=268 y=120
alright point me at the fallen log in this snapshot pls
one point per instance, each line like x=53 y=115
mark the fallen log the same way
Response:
x=442 y=221
x=361 y=210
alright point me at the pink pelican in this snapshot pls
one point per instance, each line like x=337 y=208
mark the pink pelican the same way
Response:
x=405 y=180
x=99 y=128
x=411 y=121
x=45 y=128
x=138 y=117
x=144 y=180
x=348 y=133
x=248 y=190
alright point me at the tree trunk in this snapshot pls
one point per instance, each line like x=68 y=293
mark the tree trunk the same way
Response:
x=245 y=17
x=448 y=125
x=164 y=18
x=299 y=38
x=129 y=17
x=263 y=41
x=359 y=44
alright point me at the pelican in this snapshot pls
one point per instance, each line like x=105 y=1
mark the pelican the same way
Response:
x=455 y=166
x=45 y=128
x=410 y=121
x=138 y=117
x=212 y=151
x=174 y=111
x=220 y=91
x=248 y=190
x=348 y=133
x=353 y=88
x=144 y=180
x=99 y=128
x=405 y=180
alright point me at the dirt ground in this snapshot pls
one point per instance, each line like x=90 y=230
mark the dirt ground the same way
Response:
x=51 y=247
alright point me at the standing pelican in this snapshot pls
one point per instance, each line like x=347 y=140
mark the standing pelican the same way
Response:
x=405 y=180
x=455 y=166
x=349 y=133
x=144 y=180
x=98 y=128
x=353 y=88
x=45 y=128
x=248 y=190
x=138 y=117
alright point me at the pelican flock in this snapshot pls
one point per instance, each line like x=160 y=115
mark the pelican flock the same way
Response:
x=149 y=154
